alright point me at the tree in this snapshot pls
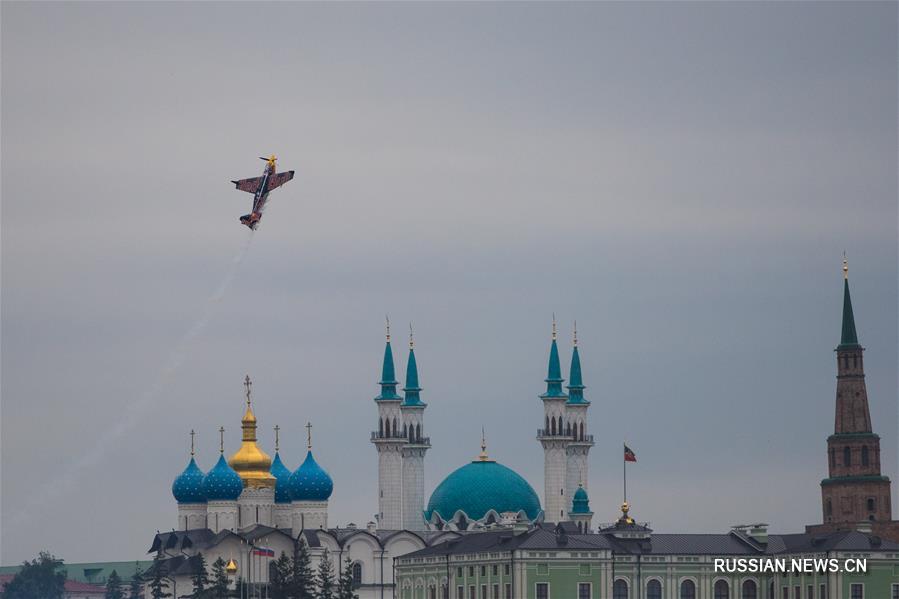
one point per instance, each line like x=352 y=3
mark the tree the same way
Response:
x=345 y=582
x=220 y=583
x=241 y=588
x=325 y=578
x=281 y=574
x=156 y=576
x=200 y=577
x=136 y=588
x=114 y=588
x=40 y=577
x=302 y=584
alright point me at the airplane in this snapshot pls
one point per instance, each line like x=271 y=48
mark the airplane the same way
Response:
x=260 y=188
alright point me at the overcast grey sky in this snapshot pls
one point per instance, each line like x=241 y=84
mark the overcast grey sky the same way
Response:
x=680 y=178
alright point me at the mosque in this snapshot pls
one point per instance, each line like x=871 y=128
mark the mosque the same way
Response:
x=250 y=507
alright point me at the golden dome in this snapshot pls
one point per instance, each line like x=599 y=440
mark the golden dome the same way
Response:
x=251 y=463
x=231 y=566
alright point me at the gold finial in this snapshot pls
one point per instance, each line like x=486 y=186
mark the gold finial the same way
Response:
x=483 y=455
x=277 y=444
x=575 y=333
x=387 y=318
x=221 y=439
x=192 y=433
x=309 y=435
x=554 y=326
x=411 y=338
x=231 y=566
x=845 y=266
x=248 y=383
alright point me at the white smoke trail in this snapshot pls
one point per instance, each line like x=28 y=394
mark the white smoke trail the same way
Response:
x=135 y=410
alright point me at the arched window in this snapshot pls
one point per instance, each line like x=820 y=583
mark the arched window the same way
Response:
x=568 y=430
x=387 y=428
x=871 y=504
x=722 y=590
x=406 y=432
x=396 y=429
x=418 y=432
x=380 y=427
x=582 y=431
x=654 y=590
x=847 y=456
x=688 y=590
x=864 y=455
x=619 y=589
x=771 y=589
x=749 y=590
x=357 y=574
x=828 y=508
x=546 y=430
x=553 y=425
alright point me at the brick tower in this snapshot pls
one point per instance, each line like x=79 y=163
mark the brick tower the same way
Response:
x=855 y=491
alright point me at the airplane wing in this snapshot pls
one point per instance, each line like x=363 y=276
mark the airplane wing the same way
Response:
x=279 y=179
x=250 y=185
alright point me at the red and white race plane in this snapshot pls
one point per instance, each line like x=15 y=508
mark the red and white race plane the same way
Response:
x=260 y=188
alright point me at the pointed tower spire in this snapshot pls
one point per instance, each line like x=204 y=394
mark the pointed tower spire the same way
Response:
x=849 y=338
x=412 y=390
x=388 y=380
x=554 y=375
x=576 y=383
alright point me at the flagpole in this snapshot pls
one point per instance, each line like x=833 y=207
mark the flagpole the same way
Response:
x=625 y=473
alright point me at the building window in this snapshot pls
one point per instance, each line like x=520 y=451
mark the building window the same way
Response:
x=472 y=592
x=688 y=590
x=583 y=590
x=797 y=592
x=460 y=592
x=822 y=592
x=483 y=570
x=847 y=456
x=856 y=591
x=785 y=593
x=357 y=574
x=865 y=455
x=810 y=591
x=871 y=504
x=495 y=570
x=484 y=592
x=459 y=571
x=750 y=591
x=506 y=569
x=542 y=590
x=432 y=592
x=496 y=591
x=722 y=590
x=895 y=594
x=508 y=590
x=619 y=589
x=654 y=590
x=471 y=570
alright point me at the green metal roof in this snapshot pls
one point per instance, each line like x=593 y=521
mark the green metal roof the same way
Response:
x=848 y=338
x=554 y=375
x=388 y=380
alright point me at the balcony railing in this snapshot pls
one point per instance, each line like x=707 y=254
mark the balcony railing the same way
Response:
x=542 y=432
x=379 y=436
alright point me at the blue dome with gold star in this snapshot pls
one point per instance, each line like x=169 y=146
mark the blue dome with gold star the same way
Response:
x=282 y=480
x=222 y=483
x=188 y=487
x=310 y=482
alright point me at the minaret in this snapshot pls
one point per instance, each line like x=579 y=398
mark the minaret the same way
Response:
x=577 y=469
x=555 y=438
x=580 y=510
x=413 y=410
x=855 y=490
x=389 y=441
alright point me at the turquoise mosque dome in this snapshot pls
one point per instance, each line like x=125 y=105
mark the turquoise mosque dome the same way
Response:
x=222 y=483
x=310 y=482
x=479 y=487
x=188 y=487
x=282 y=479
x=580 y=504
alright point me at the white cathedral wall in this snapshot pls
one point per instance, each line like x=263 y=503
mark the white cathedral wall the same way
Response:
x=191 y=516
x=221 y=515
x=256 y=506
x=282 y=515
x=308 y=515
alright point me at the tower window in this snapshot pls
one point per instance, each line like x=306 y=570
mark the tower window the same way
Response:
x=865 y=455
x=357 y=574
x=847 y=456
x=872 y=504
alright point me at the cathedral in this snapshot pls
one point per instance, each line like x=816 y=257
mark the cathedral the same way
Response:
x=249 y=508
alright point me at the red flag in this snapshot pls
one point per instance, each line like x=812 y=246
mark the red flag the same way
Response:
x=629 y=455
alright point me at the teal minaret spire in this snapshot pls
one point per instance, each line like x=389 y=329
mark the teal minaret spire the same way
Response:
x=411 y=390
x=849 y=337
x=554 y=375
x=576 y=382
x=388 y=380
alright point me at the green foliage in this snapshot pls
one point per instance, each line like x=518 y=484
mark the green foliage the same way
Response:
x=345 y=582
x=156 y=576
x=114 y=588
x=136 y=587
x=280 y=580
x=220 y=584
x=200 y=577
x=302 y=583
x=325 y=577
x=40 y=577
